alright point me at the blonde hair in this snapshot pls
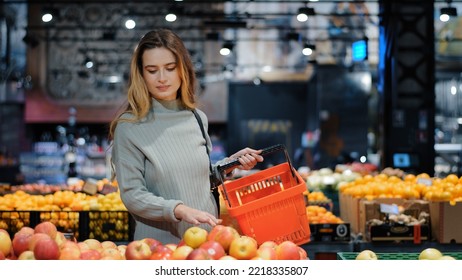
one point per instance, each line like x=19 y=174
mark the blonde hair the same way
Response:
x=138 y=97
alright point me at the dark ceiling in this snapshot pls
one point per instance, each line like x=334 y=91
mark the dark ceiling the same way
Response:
x=266 y=34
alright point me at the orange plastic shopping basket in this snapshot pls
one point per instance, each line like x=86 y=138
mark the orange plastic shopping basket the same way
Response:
x=269 y=204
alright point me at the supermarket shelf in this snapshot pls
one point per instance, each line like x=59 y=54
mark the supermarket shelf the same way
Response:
x=329 y=250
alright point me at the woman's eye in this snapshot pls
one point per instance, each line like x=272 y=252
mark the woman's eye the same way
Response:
x=171 y=69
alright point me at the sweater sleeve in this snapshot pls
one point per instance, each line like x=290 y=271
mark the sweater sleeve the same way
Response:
x=129 y=167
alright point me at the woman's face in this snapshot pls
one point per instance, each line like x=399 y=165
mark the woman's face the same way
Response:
x=160 y=73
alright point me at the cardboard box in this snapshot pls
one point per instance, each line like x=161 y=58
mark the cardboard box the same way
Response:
x=445 y=222
x=357 y=211
x=330 y=232
x=371 y=209
x=349 y=211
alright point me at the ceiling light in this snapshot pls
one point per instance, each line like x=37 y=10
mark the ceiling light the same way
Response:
x=171 y=17
x=130 y=23
x=88 y=63
x=227 y=48
x=48 y=14
x=308 y=49
x=304 y=13
x=447 y=12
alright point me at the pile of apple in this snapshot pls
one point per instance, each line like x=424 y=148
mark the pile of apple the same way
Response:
x=45 y=242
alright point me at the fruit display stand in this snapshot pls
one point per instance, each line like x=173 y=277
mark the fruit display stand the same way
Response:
x=82 y=215
x=102 y=225
x=394 y=256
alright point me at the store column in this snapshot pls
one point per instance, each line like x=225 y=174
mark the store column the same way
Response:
x=406 y=85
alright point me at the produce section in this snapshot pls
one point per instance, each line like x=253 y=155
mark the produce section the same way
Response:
x=393 y=216
x=46 y=242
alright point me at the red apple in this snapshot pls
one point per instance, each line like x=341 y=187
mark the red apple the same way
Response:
x=243 y=248
x=21 y=242
x=47 y=227
x=93 y=244
x=46 y=249
x=137 y=250
x=223 y=235
x=35 y=238
x=153 y=243
x=2 y=256
x=90 y=254
x=181 y=252
x=83 y=246
x=195 y=236
x=199 y=254
x=5 y=242
x=161 y=252
x=111 y=254
x=108 y=244
x=213 y=248
x=303 y=253
x=26 y=255
x=269 y=243
x=69 y=243
x=287 y=250
x=25 y=230
x=267 y=253
x=161 y=256
x=70 y=253
x=162 y=249
x=172 y=246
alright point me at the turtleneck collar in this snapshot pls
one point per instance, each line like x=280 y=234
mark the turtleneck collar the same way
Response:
x=167 y=105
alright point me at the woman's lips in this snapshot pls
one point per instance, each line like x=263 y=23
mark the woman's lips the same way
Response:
x=163 y=88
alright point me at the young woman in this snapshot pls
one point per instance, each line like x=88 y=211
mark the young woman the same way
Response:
x=159 y=152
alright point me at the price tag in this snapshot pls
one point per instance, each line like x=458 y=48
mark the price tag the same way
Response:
x=389 y=208
x=425 y=181
x=90 y=187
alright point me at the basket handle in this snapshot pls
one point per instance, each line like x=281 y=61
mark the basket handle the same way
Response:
x=265 y=151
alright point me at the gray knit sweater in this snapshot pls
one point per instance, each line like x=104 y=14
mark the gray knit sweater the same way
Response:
x=161 y=162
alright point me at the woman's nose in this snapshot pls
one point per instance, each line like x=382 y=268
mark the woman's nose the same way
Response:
x=162 y=76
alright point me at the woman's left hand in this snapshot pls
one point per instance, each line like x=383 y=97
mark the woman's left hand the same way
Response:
x=248 y=158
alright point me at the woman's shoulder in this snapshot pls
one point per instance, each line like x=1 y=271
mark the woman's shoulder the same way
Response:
x=201 y=114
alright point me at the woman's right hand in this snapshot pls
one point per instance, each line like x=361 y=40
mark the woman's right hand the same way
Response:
x=194 y=216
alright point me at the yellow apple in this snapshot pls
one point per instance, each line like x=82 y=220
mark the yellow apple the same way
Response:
x=5 y=242
x=366 y=255
x=243 y=248
x=430 y=254
x=195 y=236
x=181 y=252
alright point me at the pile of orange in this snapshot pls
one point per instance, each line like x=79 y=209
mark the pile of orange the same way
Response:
x=320 y=215
x=316 y=196
x=420 y=186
